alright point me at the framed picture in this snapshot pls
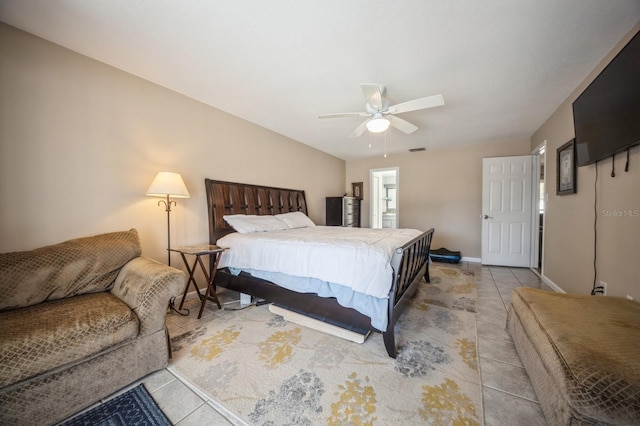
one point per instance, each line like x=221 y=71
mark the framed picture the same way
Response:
x=566 y=169
x=357 y=189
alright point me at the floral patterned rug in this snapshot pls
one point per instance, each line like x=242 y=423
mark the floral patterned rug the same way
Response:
x=451 y=286
x=268 y=371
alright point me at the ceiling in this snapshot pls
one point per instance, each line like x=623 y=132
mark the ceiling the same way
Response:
x=503 y=66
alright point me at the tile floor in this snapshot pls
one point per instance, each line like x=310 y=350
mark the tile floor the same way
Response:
x=507 y=394
x=508 y=397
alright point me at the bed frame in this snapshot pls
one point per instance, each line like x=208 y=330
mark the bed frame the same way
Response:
x=410 y=262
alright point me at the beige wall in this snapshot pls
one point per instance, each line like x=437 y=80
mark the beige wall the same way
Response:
x=81 y=141
x=569 y=224
x=440 y=189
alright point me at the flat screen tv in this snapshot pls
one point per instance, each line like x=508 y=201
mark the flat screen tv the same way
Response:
x=606 y=116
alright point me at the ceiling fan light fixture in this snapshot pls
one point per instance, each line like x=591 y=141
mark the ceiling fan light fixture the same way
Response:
x=378 y=124
x=382 y=115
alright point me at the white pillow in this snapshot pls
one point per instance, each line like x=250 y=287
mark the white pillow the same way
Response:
x=244 y=224
x=295 y=220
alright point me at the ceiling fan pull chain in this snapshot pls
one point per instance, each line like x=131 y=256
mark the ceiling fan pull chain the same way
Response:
x=385 y=144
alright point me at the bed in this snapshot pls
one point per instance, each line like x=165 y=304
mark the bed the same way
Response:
x=409 y=262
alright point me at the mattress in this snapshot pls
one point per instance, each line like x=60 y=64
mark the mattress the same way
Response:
x=377 y=309
x=358 y=258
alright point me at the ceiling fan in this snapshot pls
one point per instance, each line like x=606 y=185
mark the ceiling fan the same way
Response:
x=382 y=115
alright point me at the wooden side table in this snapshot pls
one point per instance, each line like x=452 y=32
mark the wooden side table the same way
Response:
x=198 y=251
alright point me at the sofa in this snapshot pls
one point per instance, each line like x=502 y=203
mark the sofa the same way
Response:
x=79 y=320
x=582 y=354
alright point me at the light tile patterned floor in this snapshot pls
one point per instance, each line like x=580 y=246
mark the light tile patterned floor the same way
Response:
x=507 y=394
x=508 y=397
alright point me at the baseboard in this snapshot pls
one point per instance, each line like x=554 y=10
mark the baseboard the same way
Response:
x=551 y=284
x=190 y=296
x=471 y=259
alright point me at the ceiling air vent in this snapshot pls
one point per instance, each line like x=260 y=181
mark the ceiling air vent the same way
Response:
x=417 y=149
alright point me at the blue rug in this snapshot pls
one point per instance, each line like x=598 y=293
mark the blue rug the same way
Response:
x=134 y=407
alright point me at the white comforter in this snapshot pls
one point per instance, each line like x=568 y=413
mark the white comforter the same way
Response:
x=358 y=258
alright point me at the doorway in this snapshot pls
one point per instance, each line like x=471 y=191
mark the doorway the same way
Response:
x=385 y=188
x=540 y=152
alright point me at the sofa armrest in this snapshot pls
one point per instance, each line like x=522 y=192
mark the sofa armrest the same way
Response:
x=146 y=286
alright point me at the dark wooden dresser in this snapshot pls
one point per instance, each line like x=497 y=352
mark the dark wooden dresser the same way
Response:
x=343 y=211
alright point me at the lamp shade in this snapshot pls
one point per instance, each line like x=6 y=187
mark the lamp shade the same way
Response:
x=378 y=124
x=168 y=183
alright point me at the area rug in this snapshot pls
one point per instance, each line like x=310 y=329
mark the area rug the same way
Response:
x=268 y=371
x=452 y=286
x=134 y=407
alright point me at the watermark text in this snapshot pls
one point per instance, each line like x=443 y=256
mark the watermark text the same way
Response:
x=621 y=213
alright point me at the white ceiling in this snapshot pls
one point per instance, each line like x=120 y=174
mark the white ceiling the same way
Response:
x=503 y=66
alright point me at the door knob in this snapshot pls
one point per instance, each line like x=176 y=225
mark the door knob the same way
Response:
x=487 y=217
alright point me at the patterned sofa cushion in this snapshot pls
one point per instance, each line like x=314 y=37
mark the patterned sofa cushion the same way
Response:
x=79 y=266
x=40 y=338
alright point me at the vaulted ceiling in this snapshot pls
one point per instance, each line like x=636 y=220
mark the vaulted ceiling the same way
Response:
x=503 y=66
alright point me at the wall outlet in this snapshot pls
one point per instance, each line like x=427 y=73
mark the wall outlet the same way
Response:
x=629 y=298
x=604 y=288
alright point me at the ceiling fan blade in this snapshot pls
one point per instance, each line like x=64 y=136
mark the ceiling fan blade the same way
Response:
x=344 y=114
x=373 y=95
x=402 y=125
x=416 y=104
x=359 y=130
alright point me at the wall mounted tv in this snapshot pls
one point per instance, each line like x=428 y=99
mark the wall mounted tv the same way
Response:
x=606 y=116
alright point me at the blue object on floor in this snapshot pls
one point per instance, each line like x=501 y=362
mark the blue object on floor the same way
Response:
x=134 y=407
x=444 y=255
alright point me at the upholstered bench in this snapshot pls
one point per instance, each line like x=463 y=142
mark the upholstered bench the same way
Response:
x=582 y=354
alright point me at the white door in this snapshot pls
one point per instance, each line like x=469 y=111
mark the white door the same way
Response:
x=507 y=210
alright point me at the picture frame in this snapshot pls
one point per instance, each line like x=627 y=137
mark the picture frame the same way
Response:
x=566 y=169
x=357 y=189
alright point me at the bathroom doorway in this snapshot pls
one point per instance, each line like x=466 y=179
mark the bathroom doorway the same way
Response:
x=385 y=188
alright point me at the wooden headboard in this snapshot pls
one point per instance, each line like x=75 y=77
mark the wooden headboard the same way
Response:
x=226 y=198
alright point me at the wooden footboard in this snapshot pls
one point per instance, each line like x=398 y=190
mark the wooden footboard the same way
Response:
x=410 y=262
